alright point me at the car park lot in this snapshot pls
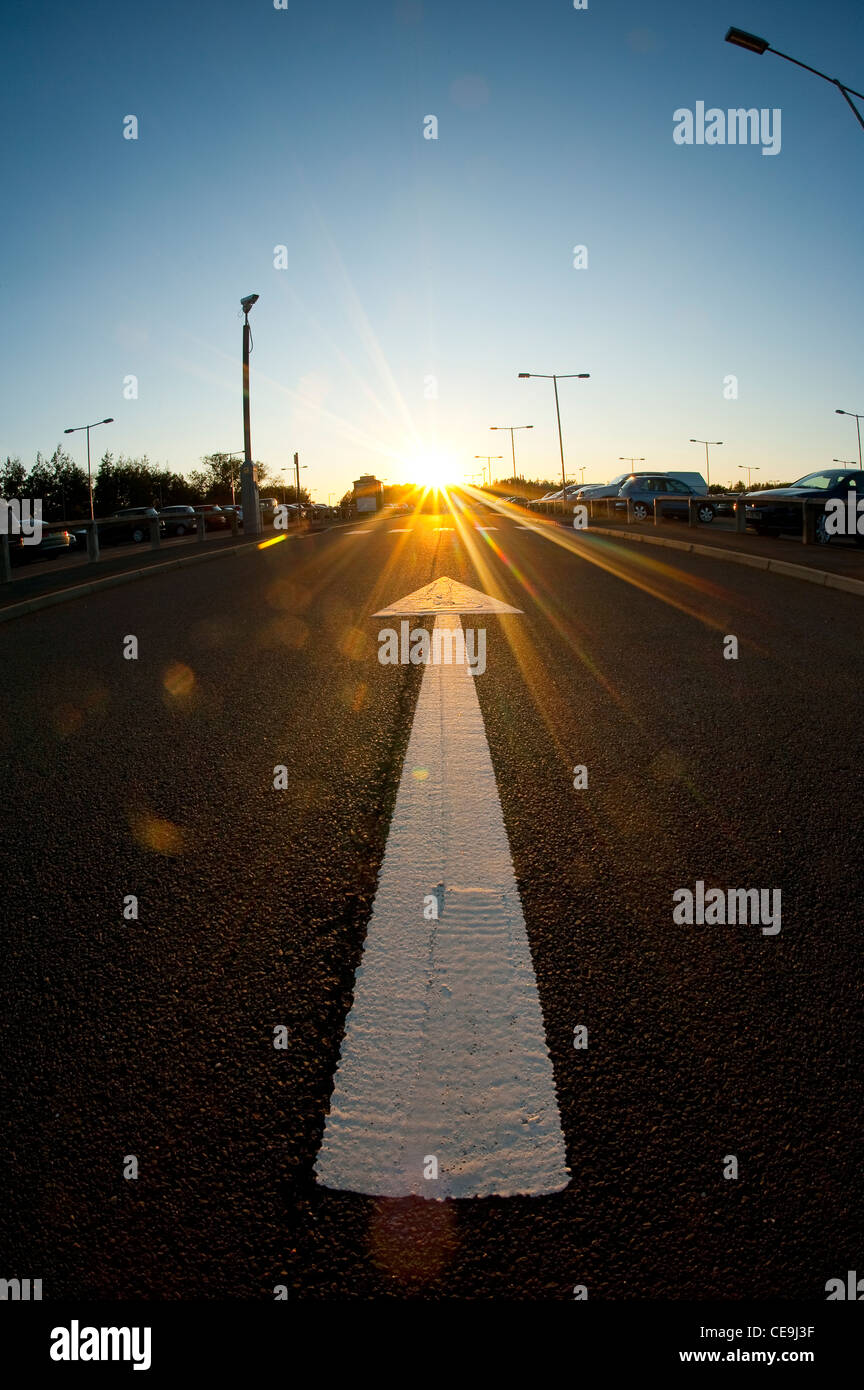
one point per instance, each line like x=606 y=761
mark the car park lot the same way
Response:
x=819 y=509
x=70 y=564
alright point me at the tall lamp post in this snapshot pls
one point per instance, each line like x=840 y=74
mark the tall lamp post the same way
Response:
x=251 y=505
x=555 y=378
x=753 y=44
x=848 y=463
x=512 y=429
x=706 y=442
x=109 y=420
x=858 y=419
x=488 y=458
x=628 y=458
x=297 y=466
x=231 y=456
x=746 y=468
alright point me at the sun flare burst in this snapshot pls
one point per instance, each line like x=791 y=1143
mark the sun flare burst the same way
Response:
x=432 y=470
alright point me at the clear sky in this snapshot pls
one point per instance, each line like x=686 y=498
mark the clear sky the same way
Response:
x=410 y=258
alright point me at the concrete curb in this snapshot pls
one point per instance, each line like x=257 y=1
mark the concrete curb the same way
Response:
x=109 y=581
x=737 y=557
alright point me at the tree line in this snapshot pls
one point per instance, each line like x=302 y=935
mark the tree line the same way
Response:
x=119 y=482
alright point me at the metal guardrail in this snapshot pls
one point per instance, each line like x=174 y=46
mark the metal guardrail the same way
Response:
x=609 y=508
x=91 y=527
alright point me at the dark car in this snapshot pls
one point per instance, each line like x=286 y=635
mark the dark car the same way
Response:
x=672 y=495
x=129 y=524
x=179 y=520
x=214 y=517
x=777 y=509
x=51 y=544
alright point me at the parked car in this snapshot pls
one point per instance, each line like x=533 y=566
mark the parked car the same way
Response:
x=568 y=493
x=673 y=496
x=50 y=545
x=214 y=517
x=179 y=521
x=776 y=509
x=610 y=489
x=231 y=512
x=128 y=524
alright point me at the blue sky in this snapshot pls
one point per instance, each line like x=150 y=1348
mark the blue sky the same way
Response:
x=450 y=258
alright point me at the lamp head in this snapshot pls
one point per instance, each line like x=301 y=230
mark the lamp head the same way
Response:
x=742 y=39
x=247 y=302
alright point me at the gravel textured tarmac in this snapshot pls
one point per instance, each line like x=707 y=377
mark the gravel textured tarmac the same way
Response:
x=154 y=1037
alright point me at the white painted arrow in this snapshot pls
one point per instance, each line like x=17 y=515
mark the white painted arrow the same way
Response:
x=444 y=1056
x=446 y=596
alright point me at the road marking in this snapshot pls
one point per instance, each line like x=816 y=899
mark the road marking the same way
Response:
x=446 y=595
x=444 y=1054
x=400 y=531
x=357 y=533
x=486 y=528
x=443 y=528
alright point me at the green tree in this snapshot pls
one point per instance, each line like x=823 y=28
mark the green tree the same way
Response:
x=12 y=476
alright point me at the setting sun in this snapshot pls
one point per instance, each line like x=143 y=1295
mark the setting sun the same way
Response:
x=432 y=470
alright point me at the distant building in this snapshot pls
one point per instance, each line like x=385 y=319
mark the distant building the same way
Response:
x=368 y=493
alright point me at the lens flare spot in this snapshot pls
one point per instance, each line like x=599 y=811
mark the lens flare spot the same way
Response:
x=67 y=719
x=354 y=696
x=420 y=773
x=179 y=680
x=160 y=836
x=354 y=644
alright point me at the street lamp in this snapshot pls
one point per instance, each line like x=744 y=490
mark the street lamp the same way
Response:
x=706 y=442
x=742 y=39
x=488 y=458
x=849 y=463
x=858 y=419
x=555 y=378
x=251 y=505
x=511 y=428
x=231 y=455
x=746 y=468
x=627 y=458
x=109 y=420
x=297 y=466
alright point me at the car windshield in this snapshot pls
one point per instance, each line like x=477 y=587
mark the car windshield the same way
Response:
x=820 y=480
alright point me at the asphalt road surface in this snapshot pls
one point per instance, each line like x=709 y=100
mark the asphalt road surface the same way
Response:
x=153 y=1037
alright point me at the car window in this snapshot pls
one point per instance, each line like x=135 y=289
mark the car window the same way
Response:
x=675 y=485
x=817 y=480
